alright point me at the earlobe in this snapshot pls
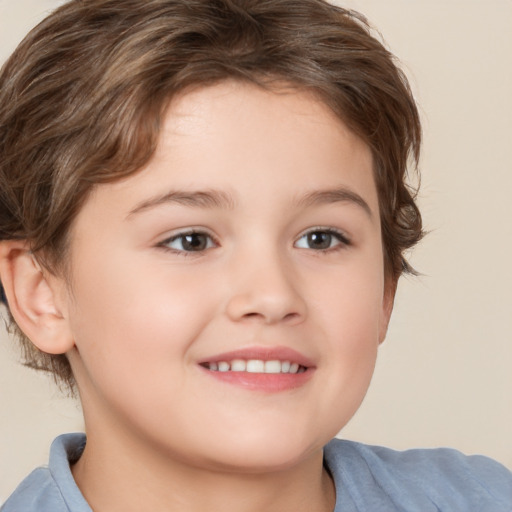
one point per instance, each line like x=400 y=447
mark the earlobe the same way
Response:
x=32 y=300
x=387 y=307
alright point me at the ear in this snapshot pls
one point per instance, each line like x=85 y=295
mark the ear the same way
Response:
x=34 y=298
x=388 y=301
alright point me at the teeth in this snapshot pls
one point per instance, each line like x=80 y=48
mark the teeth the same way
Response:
x=238 y=365
x=273 y=367
x=294 y=368
x=222 y=366
x=256 y=366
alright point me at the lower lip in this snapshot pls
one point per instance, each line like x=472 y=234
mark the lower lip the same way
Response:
x=266 y=382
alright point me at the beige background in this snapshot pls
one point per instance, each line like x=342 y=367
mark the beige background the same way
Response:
x=444 y=375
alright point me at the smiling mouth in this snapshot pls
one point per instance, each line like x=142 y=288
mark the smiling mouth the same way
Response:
x=255 y=366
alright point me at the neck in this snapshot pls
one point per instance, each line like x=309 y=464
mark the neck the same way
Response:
x=120 y=476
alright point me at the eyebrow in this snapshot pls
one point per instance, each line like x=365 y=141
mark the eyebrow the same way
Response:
x=337 y=195
x=211 y=199
x=199 y=199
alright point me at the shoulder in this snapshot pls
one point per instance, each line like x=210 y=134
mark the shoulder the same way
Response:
x=434 y=479
x=51 y=488
x=37 y=492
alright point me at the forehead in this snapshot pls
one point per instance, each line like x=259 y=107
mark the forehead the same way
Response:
x=242 y=139
x=279 y=119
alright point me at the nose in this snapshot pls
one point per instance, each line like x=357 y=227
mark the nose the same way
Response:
x=266 y=290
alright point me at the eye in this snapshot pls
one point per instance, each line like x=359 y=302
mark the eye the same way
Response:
x=322 y=240
x=192 y=241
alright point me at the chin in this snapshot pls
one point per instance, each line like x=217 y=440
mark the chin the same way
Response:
x=263 y=454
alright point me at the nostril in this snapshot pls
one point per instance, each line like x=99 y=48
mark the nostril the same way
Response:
x=266 y=307
x=291 y=316
x=252 y=315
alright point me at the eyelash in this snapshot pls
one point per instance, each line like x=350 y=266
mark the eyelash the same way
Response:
x=182 y=252
x=344 y=240
x=211 y=242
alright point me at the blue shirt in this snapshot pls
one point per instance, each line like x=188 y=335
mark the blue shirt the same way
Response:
x=367 y=478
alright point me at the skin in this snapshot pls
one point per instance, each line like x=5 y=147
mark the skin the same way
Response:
x=141 y=313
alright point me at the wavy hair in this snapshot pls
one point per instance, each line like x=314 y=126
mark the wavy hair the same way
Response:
x=83 y=95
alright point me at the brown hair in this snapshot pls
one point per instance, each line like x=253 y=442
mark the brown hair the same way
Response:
x=82 y=96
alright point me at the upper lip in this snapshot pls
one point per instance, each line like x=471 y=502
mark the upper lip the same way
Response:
x=263 y=354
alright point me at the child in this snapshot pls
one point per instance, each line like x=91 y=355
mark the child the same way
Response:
x=203 y=218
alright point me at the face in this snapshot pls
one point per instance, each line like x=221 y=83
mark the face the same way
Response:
x=228 y=300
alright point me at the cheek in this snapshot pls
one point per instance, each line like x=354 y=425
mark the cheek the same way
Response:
x=351 y=299
x=136 y=312
x=350 y=315
x=133 y=335
x=353 y=341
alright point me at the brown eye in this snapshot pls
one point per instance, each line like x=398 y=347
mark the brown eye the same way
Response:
x=319 y=240
x=189 y=242
x=322 y=240
x=194 y=242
